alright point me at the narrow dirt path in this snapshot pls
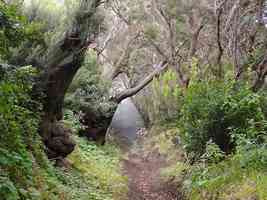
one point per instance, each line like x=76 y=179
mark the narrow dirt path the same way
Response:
x=143 y=170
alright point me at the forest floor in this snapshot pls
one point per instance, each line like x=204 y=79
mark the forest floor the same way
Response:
x=143 y=168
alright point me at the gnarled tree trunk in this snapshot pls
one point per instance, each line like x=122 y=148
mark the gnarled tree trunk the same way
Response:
x=62 y=63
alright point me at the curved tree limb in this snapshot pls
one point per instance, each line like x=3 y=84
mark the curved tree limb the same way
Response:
x=133 y=91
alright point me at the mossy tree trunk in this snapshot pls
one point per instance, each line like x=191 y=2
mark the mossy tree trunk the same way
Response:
x=62 y=63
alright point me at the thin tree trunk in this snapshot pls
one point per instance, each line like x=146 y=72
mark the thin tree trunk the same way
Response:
x=219 y=43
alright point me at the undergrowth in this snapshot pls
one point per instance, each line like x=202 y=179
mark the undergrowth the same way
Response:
x=223 y=131
x=25 y=171
x=240 y=176
x=96 y=173
x=100 y=169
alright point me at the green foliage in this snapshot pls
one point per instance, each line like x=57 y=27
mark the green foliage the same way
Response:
x=16 y=122
x=100 y=168
x=88 y=74
x=48 y=11
x=7 y=189
x=171 y=7
x=88 y=92
x=241 y=176
x=165 y=94
x=175 y=172
x=57 y=18
x=72 y=120
x=11 y=33
x=213 y=154
x=24 y=169
x=151 y=31
x=15 y=29
x=25 y=172
x=221 y=112
x=223 y=128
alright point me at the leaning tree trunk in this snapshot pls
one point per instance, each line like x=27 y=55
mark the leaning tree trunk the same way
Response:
x=62 y=63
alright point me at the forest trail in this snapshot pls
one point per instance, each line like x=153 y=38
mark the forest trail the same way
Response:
x=143 y=169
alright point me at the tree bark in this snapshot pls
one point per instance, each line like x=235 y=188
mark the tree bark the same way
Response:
x=261 y=74
x=62 y=63
x=219 y=43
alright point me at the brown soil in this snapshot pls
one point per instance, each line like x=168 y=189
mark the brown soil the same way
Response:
x=145 y=183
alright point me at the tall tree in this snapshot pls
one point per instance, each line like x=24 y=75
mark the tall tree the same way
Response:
x=61 y=64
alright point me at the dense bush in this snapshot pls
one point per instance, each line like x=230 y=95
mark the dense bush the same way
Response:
x=240 y=176
x=165 y=94
x=98 y=172
x=24 y=168
x=223 y=113
x=88 y=98
x=223 y=129
x=88 y=91
x=12 y=32
x=16 y=29
x=26 y=173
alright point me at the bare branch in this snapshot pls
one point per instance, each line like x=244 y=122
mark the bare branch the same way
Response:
x=133 y=91
x=158 y=49
x=117 y=11
x=194 y=41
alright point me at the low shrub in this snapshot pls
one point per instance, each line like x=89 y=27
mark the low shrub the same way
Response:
x=223 y=127
x=221 y=112
x=88 y=93
x=240 y=176
x=101 y=171
x=25 y=172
